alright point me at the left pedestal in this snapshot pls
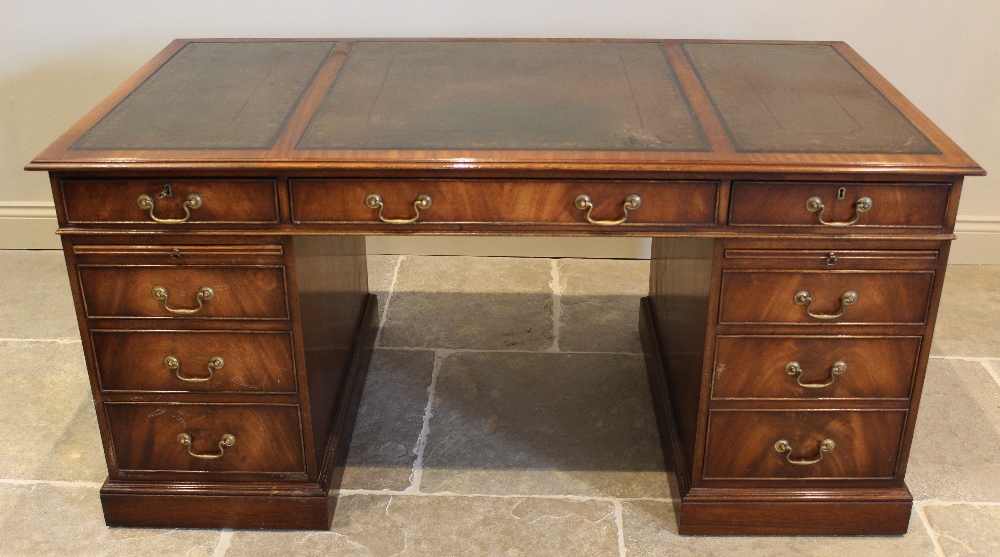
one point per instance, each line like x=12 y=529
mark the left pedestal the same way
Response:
x=226 y=372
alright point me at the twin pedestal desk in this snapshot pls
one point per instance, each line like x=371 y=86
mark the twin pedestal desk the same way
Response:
x=213 y=212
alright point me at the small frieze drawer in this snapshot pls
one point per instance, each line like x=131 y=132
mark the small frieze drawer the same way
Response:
x=814 y=367
x=803 y=444
x=258 y=362
x=825 y=297
x=199 y=292
x=839 y=205
x=170 y=202
x=242 y=438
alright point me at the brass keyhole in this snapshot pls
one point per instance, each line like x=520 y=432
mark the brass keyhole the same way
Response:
x=168 y=191
x=841 y=193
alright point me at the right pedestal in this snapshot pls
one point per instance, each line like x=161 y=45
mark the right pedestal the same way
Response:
x=786 y=378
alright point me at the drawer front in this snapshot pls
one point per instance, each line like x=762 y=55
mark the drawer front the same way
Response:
x=317 y=201
x=900 y=297
x=814 y=367
x=221 y=201
x=266 y=438
x=193 y=361
x=250 y=292
x=742 y=444
x=892 y=205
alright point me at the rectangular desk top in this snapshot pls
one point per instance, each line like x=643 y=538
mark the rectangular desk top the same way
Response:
x=566 y=105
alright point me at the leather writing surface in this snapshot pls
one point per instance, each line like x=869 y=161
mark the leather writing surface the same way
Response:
x=799 y=98
x=505 y=95
x=229 y=95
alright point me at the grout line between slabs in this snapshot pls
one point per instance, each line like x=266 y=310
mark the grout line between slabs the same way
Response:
x=920 y=507
x=497 y=350
x=388 y=297
x=62 y=340
x=966 y=358
x=225 y=538
x=418 y=463
x=557 y=292
x=59 y=483
x=992 y=370
x=990 y=364
x=940 y=503
x=574 y=498
x=620 y=526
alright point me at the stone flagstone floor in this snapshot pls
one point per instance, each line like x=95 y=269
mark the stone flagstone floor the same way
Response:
x=505 y=413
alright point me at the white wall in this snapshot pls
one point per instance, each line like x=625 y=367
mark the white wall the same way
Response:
x=59 y=58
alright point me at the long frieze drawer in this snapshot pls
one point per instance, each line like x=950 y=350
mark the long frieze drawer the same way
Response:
x=773 y=444
x=570 y=203
x=206 y=437
x=195 y=361
x=748 y=367
x=836 y=205
x=170 y=202
x=162 y=291
x=825 y=297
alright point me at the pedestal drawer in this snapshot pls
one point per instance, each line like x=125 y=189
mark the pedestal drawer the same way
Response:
x=195 y=361
x=170 y=201
x=748 y=367
x=203 y=292
x=487 y=201
x=802 y=444
x=825 y=297
x=834 y=205
x=225 y=437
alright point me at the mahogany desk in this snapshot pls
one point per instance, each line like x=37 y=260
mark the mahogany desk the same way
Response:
x=213 y=212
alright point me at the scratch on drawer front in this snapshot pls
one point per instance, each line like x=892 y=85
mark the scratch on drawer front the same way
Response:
x=245 y=385
x=157 y=412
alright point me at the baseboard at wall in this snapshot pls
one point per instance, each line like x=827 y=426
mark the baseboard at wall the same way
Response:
x=978 y=240
x=28 y=225
x=32 y=225
x=507 y=246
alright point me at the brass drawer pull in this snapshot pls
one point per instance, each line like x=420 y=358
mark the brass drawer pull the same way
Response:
x=584 y=203
x=374 y=201
x=862 y=205
x=802 y=298
x=838 y=368
x=204 y=293
x=192 y=201
x=227 y=440
x=783 y=446
x=173 y=363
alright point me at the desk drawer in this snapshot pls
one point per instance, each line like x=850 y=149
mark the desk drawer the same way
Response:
x=218 y=201
x=195 y=361
x=748 y=367
x=343 y=201
x=818 y=297
x=891 y=205
x=742 y=444
x=265 y=438
x=199 y=292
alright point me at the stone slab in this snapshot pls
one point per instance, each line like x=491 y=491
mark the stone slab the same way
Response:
x=389 y=420
x=548 y=424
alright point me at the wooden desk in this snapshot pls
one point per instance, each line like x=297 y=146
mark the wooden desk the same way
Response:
x=213 y=212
